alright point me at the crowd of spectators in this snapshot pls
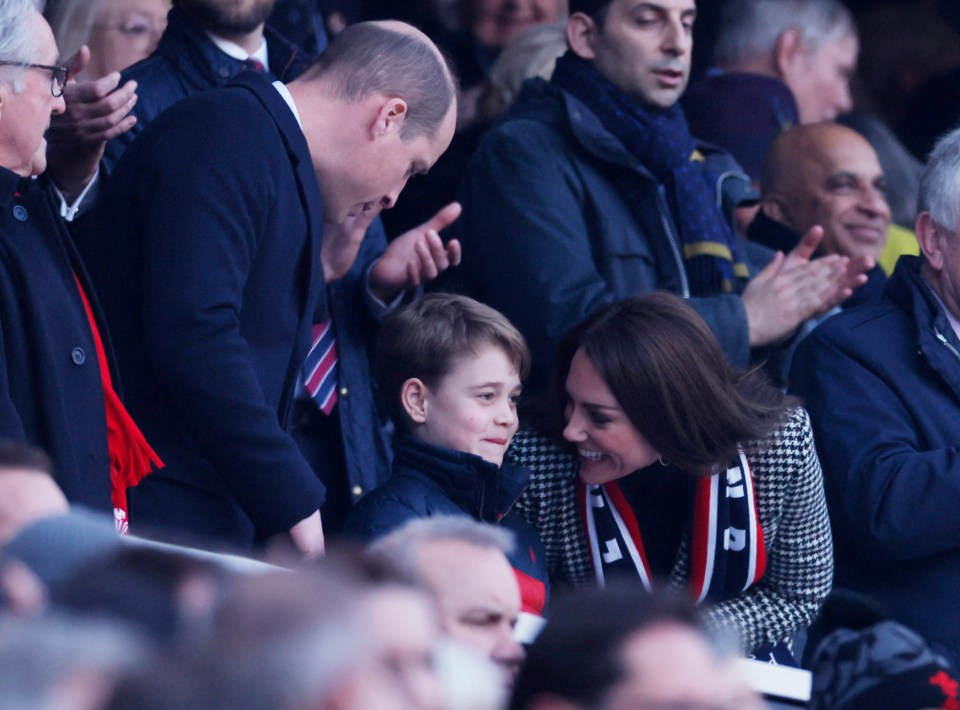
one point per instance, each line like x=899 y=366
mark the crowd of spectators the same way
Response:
x=654 y=368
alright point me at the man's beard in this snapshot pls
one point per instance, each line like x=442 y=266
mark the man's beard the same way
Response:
x=222 y=18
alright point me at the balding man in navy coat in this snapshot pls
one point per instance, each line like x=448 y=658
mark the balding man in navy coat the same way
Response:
x=212 y=245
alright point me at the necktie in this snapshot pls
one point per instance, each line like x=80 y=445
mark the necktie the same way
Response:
x=255 y=65
x=320 y=368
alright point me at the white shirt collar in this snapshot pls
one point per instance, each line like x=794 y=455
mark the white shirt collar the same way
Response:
x=238 y=52
x=288 y=97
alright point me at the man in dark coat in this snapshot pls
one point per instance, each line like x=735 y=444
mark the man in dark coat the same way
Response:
x=591 y=189
x=55 y=373
x=207 y=244
x=882 y=385
x=205 y=45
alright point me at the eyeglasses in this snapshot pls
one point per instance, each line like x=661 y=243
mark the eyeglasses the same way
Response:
x=58 y=78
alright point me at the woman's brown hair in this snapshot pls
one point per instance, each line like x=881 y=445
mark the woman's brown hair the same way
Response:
x=668 y=373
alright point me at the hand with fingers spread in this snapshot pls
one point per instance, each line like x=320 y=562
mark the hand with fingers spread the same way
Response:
x=794 y=287
x=416 y=257
x=96 y=111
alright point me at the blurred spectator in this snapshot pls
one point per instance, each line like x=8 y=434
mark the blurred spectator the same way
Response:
x=167 y=596
x=866 y=660
x=206 y=43
x=27 y=489
x=611 y=649
x=487 y=27
x=462 y=564
x=768 y=55
x=810 y=45
x=61 y=663
x=118 y=32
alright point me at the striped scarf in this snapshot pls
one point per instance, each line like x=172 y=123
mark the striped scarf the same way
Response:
x=661 y=141
x=727 y=553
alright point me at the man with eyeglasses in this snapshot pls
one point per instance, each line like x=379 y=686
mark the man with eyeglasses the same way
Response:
x=55 y=375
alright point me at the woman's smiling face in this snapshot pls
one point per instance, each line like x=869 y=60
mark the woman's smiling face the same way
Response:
x=608 y=444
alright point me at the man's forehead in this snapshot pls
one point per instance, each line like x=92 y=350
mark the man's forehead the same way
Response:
x=47 y=52
x=681 y=6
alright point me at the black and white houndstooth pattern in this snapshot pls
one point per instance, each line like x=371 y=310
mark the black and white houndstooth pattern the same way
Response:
x=793 y=514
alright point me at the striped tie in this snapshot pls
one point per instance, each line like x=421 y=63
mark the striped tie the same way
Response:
x=320 y=368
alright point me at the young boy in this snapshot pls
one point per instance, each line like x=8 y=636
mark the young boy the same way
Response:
x=449 y=369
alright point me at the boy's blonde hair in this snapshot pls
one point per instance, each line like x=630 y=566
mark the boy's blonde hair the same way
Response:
x=423 y=339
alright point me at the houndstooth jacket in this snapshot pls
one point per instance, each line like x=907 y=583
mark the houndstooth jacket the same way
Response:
x=792 y=511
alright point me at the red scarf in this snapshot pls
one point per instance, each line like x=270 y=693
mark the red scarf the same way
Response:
x=131 y=457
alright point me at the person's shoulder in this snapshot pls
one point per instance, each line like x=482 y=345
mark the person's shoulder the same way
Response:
x=860 y=324
x=538 y=452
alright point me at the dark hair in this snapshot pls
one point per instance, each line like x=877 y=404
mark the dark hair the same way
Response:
x=20 y=455
x=578 y=654
x=668 y=373
x=596 y=9
x=368 y=58
x=424 y=338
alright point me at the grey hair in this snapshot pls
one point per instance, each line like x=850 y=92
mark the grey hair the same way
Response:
x=399 y=550
x=940 y=182
x=16 y=40
x=750 y=28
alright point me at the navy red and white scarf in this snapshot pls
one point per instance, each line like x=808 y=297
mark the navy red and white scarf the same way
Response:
x=727 y=551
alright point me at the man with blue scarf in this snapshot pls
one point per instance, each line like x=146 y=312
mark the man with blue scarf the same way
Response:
x=591 y=189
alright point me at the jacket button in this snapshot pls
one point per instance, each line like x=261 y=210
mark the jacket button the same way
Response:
x=344 y=392
x=78 y=356
x=357 y=491
x=20 y=213
x=224 y=72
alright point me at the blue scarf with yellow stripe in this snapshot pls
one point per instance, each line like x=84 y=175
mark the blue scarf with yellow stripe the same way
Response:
x=662 y=142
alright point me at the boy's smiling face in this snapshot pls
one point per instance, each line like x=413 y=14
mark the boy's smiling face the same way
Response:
x=471 y=409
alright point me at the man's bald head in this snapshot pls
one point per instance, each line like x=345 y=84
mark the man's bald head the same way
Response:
x=828 y=175
x=393 y=59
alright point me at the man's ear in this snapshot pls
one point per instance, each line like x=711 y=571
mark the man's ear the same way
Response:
x=582 y=35
x=788 y=53
x=776 y=208
x=930 y=237
x=390 y=117
x=413 y=397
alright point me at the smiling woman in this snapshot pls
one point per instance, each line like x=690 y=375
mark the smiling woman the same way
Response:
x=680 y=468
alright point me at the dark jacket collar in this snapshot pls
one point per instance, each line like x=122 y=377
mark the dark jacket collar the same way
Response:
x=202 y=64
x=772 y=234
x=935 y=337
x=475 y=485
x=9 y=186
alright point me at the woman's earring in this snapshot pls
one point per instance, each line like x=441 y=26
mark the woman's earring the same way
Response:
x=664 y=462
